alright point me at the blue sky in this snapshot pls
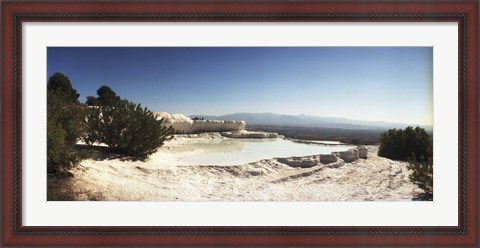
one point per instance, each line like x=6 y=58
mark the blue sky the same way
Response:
x=391 y=84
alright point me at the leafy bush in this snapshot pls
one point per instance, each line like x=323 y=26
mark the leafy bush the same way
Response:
x=61 y=84
x=64 y=123
x=91 y=101
x=127 y=128
x=422 y=175
x=68 y=116
x=59 y=153
x=406 y=144
x=416 y=146
x=106 y=96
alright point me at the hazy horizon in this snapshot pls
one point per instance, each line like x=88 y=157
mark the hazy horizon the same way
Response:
x=388 y=84
x=406 y=123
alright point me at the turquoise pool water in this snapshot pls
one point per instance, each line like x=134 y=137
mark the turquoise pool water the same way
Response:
x=227 y=152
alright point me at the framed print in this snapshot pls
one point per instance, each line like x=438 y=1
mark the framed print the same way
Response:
x=231 y=123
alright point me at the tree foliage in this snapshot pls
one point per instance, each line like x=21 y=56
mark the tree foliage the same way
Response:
x=127 y=128
x=65 y=118
x=61 y=84
x=106 y=96
x=91 y=101
x=413 y=145
x=422 y=175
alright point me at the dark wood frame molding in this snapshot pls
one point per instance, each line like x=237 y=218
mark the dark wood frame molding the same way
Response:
x=14 y=13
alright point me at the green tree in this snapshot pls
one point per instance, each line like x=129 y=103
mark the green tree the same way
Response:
x=416 y=146
x=422 y=175
x=61 y=84
x=411 y=143
x=127 y=128
x=91 y=101
x=65 y=123
x=106 y=96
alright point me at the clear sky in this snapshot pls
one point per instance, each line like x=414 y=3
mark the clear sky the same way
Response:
x=391 y=84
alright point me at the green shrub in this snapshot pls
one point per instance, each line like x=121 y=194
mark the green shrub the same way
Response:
x=59 y=153
x=422 y=175
x=127 y=128
x=411 y=143
x=106 y=96
x=91 y=101
x=65 y=117
x=68 y=116
x=61 y=84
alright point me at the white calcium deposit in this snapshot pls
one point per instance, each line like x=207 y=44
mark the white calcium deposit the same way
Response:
x=313 y=178
x=185 y=125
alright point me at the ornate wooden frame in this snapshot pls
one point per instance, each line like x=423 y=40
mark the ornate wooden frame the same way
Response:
x=14 y=13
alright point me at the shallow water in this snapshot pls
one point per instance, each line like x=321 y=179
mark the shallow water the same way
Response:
x=241 y=151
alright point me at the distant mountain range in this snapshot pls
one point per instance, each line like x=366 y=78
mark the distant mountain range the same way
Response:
x=307 y=121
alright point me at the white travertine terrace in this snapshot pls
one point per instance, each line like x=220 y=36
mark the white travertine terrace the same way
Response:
x=184 y=125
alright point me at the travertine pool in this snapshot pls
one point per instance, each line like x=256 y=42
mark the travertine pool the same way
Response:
x=227 y=152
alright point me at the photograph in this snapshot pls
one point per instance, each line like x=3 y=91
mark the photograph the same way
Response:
x=240 y=124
